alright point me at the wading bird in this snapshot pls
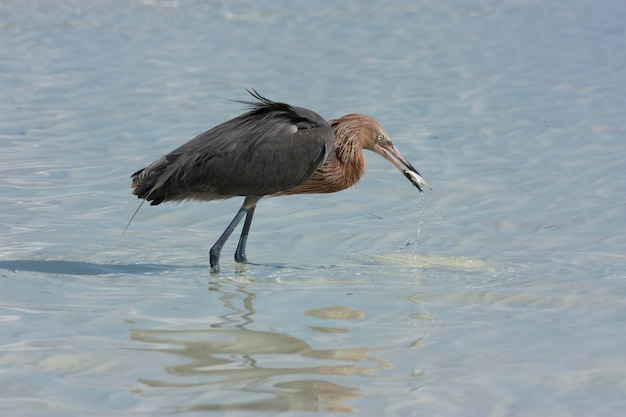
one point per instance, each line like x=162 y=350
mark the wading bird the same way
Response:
x=273 y=149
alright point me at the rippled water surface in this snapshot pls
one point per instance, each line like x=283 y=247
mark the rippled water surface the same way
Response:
x=501 y=292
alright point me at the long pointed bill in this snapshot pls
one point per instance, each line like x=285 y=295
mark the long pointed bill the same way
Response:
x=393 y=155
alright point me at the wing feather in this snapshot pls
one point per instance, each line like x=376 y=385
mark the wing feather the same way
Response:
x=272 y=147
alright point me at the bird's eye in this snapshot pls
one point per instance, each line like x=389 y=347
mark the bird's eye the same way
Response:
x=380 y=137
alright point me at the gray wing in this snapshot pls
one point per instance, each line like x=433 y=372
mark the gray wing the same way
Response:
x=269 y=149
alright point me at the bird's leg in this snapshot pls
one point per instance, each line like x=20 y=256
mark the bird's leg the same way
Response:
x=216 y=249
x=246 y=208
x=240 y=253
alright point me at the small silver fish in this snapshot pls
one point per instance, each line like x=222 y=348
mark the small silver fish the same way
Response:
x=416 y=179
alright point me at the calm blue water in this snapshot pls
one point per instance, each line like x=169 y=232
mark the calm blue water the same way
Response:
x=502 y=292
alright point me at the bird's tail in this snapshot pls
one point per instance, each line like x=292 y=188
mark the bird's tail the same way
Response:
x=148 y=183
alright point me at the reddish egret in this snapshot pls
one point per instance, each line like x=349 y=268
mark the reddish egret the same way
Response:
x=273 y=149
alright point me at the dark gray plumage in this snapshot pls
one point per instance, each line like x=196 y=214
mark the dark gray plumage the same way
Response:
x=271 y=148
x=268 y=149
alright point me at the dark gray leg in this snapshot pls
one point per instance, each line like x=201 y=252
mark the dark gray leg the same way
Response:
x=240 y=253
x=214 y=253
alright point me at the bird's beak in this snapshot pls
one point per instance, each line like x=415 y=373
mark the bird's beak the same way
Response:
x=390 y=153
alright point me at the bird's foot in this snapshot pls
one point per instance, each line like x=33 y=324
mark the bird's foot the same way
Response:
x=241 y=258
x=214 y=258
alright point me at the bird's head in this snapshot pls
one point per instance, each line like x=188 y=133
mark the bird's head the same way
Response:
x=374 y=138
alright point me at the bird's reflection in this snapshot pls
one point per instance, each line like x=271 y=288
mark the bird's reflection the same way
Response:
x=284 y=371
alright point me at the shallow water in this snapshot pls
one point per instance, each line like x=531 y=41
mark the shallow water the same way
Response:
x=500 y=292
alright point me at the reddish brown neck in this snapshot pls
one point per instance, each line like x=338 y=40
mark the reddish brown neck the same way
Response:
x=344 y=167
